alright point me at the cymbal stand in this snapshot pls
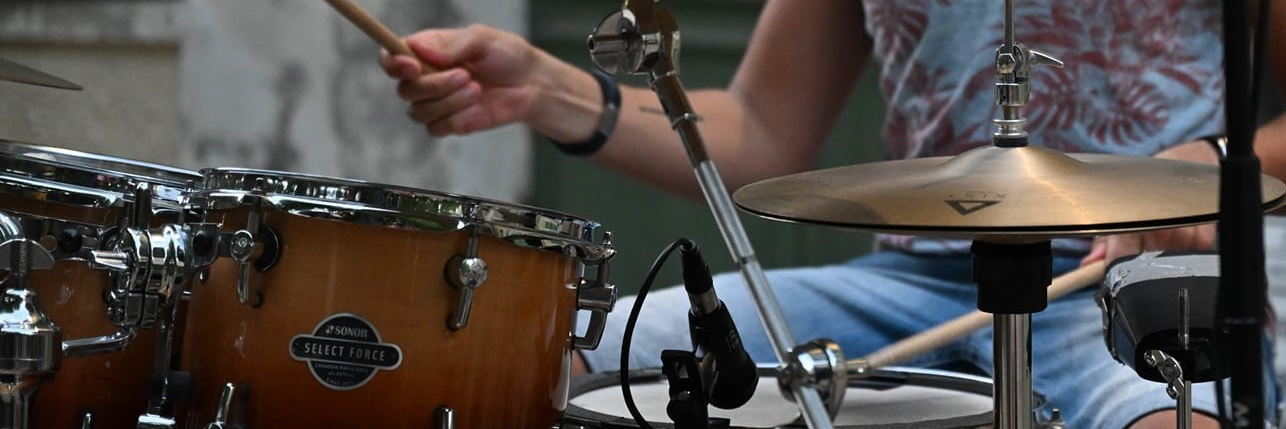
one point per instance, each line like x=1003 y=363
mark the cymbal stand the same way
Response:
x=1012 y=317
x=643 y=38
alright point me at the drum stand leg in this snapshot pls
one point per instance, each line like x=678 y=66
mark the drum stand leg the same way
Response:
x=1011 y=281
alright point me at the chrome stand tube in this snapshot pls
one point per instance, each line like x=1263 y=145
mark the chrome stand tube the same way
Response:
x=1011 y=346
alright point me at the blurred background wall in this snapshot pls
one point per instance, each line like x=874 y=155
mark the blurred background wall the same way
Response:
x=271 y=84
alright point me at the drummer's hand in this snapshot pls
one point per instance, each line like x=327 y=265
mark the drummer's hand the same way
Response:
x=1200 y=237
x=483 y=78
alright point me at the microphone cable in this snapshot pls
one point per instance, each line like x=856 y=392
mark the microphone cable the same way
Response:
x=633 y=319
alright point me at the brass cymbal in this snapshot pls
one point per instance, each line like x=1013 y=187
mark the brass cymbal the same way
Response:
x=15 y=72
x=1021 y=193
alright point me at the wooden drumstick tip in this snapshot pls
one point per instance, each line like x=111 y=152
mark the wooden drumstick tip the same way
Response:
x=376 y=30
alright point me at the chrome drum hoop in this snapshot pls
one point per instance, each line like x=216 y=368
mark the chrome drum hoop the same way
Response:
x=85 y=179
x=397 y=207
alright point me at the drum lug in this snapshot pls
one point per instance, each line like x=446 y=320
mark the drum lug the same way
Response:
x=87 y=420
x=598 y=296
x=223 y=411
x=256 y=246
x=30 y=338
x=465 y=273
x=444 y=417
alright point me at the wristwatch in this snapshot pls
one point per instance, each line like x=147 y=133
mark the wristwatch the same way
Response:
x=606 y=122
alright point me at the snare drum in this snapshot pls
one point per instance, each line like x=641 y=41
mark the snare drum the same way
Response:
x=385 y=307
x=889 y=397
x=71 y=203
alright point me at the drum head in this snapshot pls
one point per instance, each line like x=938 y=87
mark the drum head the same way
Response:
x=889 y=398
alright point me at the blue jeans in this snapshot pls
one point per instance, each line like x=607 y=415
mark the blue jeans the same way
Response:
x=877 y=299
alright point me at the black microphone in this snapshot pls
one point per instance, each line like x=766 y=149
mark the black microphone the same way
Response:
x=735 y=376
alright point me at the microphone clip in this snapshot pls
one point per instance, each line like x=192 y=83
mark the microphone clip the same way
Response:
x=689 y=396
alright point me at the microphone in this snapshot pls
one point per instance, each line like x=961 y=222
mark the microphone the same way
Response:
x=734 y=375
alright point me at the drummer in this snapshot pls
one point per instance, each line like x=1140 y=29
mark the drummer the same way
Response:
x=1139 y=81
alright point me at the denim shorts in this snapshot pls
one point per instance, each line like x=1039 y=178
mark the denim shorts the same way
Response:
x=874 y=300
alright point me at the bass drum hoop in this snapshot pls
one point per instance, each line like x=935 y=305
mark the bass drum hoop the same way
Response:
x=883 y=378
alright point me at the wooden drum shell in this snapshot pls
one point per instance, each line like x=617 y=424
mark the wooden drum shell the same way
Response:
x=508 y=368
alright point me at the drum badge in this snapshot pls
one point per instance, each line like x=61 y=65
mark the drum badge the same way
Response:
x=344 y=352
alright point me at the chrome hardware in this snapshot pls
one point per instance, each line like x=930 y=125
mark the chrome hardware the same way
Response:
x=113 y=342
x=9 y=227
x=1013 y=86
x=1013 y=79
x=224 y=409
x=29 y=340
x=1056 y=420
x=618 y=45
x=389 y=206
x=1171 y=370
x=598 y=296
x=465 y=273
x=151 y=266
x=244 y=248
x=152 y=421
x=1178 y=388
x=445 y=417
x=820 y=365
x=87 y=420
x=83 y=179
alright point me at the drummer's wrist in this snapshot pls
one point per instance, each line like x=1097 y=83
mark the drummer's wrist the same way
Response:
x=576 y=109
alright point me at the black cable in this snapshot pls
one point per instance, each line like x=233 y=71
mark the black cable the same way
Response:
x=633 y=319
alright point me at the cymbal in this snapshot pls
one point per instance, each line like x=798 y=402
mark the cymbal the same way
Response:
x=15 y=72
x=992 y=192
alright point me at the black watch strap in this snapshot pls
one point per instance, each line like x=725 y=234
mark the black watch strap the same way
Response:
x=606 y=122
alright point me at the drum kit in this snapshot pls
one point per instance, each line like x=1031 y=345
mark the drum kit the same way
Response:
x=146 y=296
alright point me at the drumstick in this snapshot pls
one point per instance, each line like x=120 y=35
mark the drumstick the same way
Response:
x=375 y=29
x=913 y=346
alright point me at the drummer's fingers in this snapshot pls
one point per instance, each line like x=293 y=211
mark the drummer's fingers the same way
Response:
x=1122 y=245
x=1098 y=250
x=464 y=121
x=433 y=85
x=435 y=110
x=399 y=66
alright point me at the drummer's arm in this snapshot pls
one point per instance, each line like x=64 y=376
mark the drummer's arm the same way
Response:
x=772 y=119
x=1270 y=148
